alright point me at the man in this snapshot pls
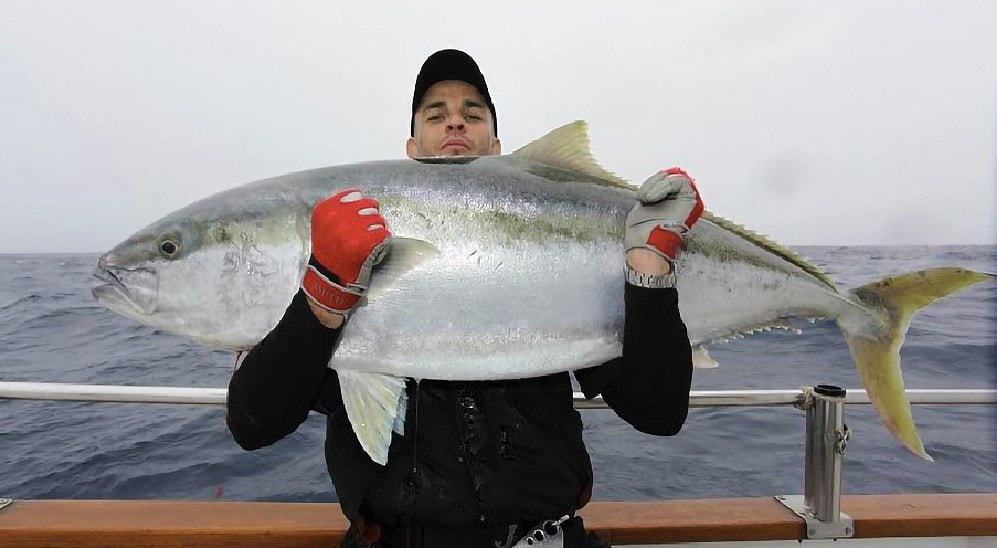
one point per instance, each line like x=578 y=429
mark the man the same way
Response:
x=481 y=463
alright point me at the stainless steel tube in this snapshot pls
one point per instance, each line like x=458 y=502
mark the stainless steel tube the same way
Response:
x=826 y=438
x=697 y=398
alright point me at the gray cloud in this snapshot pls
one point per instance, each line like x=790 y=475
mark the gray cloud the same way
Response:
x=813 y=122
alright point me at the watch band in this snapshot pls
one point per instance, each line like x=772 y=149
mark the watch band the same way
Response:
x=641 y=279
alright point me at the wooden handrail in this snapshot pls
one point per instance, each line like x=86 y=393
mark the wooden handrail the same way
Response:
x=85 y=523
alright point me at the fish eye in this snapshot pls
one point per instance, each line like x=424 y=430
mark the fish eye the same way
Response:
x=169 y=248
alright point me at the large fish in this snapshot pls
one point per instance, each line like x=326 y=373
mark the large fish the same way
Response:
x=501 y=267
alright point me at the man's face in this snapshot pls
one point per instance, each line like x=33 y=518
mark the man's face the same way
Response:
x=453 y=120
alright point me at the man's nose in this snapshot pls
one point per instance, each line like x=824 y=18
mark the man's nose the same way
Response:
x=455 y=123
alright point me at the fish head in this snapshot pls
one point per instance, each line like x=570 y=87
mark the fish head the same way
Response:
x=217 y=272
x=128 y=275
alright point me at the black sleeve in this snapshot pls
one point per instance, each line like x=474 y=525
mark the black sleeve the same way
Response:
x=649 y=386
x=280 y=379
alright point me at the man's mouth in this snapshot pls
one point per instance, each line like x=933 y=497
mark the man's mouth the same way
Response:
x=456 y=143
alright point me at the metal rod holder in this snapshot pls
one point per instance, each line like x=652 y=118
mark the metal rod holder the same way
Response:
x=826 y=439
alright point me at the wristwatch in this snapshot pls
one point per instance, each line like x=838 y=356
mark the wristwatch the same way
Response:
x=641 y=279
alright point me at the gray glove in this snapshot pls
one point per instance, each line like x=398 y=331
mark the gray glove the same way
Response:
x=668 y=204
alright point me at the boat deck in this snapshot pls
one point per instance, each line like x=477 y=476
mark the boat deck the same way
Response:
x=85 y=523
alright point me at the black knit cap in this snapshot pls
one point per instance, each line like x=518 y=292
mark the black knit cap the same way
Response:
x=450 y=64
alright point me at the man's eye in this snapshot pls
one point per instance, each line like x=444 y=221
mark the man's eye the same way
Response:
x=435 y=118
x=474 y=117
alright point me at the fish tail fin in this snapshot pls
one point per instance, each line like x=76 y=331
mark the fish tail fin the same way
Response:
x=875 y=338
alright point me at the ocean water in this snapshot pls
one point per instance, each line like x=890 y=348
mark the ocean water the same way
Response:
x=52 y=330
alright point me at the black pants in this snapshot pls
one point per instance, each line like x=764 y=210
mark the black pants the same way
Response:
x=416 y=536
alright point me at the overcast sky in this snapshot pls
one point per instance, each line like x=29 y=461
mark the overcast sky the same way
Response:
x=814 y=122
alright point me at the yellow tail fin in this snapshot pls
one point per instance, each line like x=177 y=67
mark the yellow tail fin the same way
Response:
x=875 y=340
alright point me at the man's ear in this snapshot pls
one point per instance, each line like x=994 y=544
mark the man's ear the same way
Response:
x=410 y=147
x=496 y=147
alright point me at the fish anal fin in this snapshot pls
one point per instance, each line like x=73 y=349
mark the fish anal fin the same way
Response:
x=373 y=402
x=701 y=359
x=568 y=147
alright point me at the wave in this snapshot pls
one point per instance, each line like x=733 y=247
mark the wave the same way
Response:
x=11 y=301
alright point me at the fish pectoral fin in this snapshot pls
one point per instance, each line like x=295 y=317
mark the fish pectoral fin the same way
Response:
x=375 y=404
x=701 y=359
x=404 y=255
x=568 y=147
x=398 y=426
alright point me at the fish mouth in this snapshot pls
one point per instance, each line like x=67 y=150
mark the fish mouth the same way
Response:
x=108 y=278
x=112 y=292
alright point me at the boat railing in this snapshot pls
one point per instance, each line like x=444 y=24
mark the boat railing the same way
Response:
x=697 y=398
x=826 y=433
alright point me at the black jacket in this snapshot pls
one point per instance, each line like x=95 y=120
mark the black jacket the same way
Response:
x=483 y=453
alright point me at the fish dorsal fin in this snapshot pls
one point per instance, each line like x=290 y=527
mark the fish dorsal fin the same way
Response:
x=568 y=147
x=772 y=246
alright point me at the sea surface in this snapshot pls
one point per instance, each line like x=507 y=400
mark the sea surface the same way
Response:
x=52 y=330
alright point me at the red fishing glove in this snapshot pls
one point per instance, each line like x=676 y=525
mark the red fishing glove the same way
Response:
x=349 y=236
x=668 y=204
